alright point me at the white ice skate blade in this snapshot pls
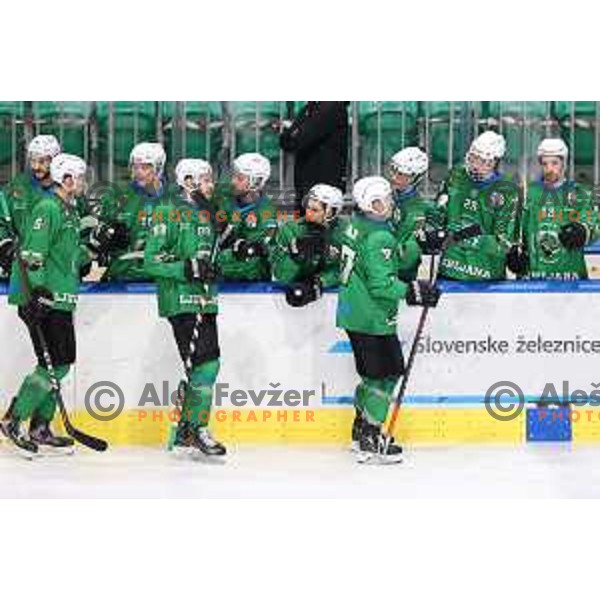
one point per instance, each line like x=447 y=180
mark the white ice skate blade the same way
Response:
x=193 y=454
x=374 y=458
x=53 y=452
x=199 y=456
x=180 y=451
x=14 y=450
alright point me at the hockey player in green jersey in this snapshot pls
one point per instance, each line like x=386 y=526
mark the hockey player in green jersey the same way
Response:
x=179 y=256
x=559 y=219
x=126 y=217
x=415 y=218
x=370 y=292
x=253 y=218
x=20 y=196
x=50 y=254
x=306 y=251
x=477 y=193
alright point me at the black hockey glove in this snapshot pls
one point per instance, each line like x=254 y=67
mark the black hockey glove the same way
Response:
x=517 y=260
x=199 y=270
x=431 y=240
x=573 y=236
x=38 y=307
x=245 y=249
x=422 y=293
x=304 y=292
x=108 y=237
x=7 y=254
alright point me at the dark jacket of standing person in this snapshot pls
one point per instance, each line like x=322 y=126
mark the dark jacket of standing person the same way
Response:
x=318 y=137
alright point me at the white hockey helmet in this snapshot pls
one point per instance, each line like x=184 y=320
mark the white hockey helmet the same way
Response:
x=149 y=153
x=553 y=147
x=488 y=146
x=63 y=165
x=43 y=145
x=369 y=189
x=328 y=195
x=256 y=167
x=196 y=168
x=411 y=161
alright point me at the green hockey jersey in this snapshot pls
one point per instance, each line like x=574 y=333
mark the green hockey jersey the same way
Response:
x=411 y=214
x=17 y=201
x=369 y=286
x=181 y=230
x=52 y=252
x=287 y=268
x=546 y=211
x=134 y=207
x=492 y=205
x=255 y=222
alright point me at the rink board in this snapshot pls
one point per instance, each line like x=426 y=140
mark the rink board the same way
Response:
x=480 y=334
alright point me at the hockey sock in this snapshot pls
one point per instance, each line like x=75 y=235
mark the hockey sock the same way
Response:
x=196 y=408
x=377 y=398
x=362 y=391
x=36 y=394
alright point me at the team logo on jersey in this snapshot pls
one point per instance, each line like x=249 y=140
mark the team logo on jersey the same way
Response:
x=496 y=200
x=549 y=245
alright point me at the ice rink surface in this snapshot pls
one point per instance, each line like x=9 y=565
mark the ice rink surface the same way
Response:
x=540 y=471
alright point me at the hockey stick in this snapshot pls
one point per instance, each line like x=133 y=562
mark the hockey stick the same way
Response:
x=83 y=438
x=518 y=231
x=452 y=238
x=188 y=366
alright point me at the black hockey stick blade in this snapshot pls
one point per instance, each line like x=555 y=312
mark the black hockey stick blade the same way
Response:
x=87 y=440
x=83 y=438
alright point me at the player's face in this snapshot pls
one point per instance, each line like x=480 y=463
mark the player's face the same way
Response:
x=79 y=185
x=383 y=207
x=240 y=183
x=40 y=166
x=399 y=181
x=207 y=186
x=188 y=183
x=315 y=212
x=74 y=186
x=553 y=169
x=143 y=174
x=479 y=167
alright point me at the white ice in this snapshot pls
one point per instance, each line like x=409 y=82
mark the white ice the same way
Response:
x=547 y=470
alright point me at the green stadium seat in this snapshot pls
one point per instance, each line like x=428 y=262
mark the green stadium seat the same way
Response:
x=393 y=124
x=508 y=117
x=438 y=114
x=585 y=120
x=134 y=122
x=68 y=121
x=262 y=138
x=203 y=132
x=8 y=112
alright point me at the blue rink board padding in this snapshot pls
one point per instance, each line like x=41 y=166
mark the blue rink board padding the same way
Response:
x=589 y=286
x=549 y=425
